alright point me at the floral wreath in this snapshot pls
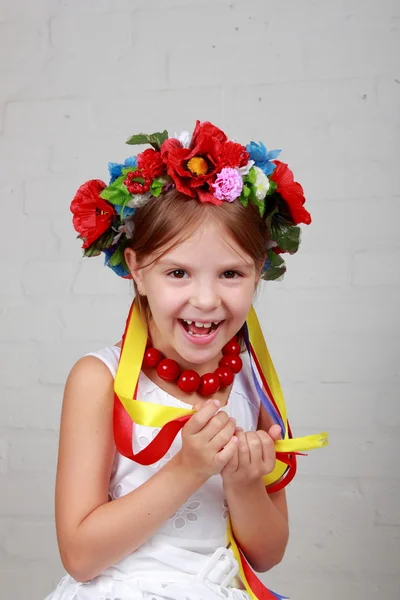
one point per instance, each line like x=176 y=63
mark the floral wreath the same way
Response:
x=204 y=165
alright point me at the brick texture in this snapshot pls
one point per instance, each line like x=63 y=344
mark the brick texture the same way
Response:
x=321 y=81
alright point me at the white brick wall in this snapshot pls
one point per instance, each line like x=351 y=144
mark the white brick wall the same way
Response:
x=319 y=79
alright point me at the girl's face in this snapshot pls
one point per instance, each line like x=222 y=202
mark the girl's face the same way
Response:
x=205 y=279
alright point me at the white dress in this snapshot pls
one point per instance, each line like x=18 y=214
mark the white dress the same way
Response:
x=167 y=566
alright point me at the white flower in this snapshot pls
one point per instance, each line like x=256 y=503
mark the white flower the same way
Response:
x=126 y=228
x=129 y=228
x=120 y=230
x=185 y=138
x=245 y=170
x=261 y=183
x=139 y=200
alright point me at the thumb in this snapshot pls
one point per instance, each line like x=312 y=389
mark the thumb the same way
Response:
x=275 y=432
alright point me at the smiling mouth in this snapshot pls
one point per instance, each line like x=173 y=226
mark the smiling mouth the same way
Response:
x=199 y=329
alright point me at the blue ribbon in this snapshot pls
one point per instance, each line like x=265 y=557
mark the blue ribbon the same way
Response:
x=265 y=400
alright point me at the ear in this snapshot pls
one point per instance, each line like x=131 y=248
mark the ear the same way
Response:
x=136 y=272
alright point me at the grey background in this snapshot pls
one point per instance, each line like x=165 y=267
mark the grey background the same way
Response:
x=320 y=80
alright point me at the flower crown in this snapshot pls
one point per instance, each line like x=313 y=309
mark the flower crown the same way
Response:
x=204 y=165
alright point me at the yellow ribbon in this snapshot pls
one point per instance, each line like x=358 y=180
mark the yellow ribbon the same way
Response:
x=155 y=415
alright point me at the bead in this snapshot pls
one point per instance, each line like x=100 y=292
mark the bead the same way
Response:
x=151 y=357
x=189 y=381
x=209 y=384
x=232 y=361
x=168 y=369
x=225 y=376
x=232 y=347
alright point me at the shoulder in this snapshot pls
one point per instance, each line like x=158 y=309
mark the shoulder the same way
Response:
x=88 y=369
x=87 y=413
x=109 y=356
x=90 y=383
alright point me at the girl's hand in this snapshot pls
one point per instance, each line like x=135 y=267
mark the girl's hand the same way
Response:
x=254 y=457
x=208 y=440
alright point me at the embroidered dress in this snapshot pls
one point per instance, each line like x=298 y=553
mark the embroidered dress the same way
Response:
x=174 y=563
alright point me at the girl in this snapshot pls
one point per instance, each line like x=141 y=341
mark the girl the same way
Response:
x=142 y=510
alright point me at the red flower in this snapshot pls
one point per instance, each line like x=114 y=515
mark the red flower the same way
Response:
x=209 y=130
x=150 y=163
x=92 y=214
x=194 y=169
x=135 y=187
x=291 y=192
x=233 y=155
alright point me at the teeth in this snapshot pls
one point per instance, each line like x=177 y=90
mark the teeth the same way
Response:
x=206 y=325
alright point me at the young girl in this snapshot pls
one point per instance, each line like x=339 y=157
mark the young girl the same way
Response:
x=142 y=508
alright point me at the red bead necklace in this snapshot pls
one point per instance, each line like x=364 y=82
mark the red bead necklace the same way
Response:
x=189 y=381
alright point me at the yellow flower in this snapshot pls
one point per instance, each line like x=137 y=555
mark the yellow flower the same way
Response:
x=197 y=165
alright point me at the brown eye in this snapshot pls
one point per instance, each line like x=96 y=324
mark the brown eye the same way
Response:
x=177 y=274
x=231 y=274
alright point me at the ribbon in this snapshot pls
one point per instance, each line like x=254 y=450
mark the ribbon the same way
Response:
x=129 y=410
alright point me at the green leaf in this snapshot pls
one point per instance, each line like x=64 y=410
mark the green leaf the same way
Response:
x=115 y=259
x=104 y=241
x=119 y=184
x=138 y=179
x=116 y=192
x=259 y=203
x=272 y=187
x=244 y=196
x=251 y=176
x=115 y=196
x=154 y=139
x=91 y=251
x=157 y=186
x=276 y=269
x=127 y=170
x=287 y=237
x=128 y=199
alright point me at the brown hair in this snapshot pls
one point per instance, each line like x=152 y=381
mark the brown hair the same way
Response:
x=165 y=222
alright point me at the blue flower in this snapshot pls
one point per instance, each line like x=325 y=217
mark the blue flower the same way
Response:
x=267 y=264
x=118 y=269
x=262 y=157
x=115 y=169
x=127 y=210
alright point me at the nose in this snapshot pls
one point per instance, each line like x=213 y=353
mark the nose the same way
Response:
x=205 y=297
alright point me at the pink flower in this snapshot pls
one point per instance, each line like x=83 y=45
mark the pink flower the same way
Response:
x=228 y=184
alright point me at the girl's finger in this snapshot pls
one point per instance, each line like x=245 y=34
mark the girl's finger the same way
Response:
x=223 y=436
x=200 y=418
x=255 y=447
x=275 y=432
x=243 y=450
x=226 y=454
x=233 y=463
x=267 y=445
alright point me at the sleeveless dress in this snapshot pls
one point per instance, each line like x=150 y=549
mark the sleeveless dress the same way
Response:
x=169 y=566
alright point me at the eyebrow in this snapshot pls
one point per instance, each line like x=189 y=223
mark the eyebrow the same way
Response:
x=228 y=267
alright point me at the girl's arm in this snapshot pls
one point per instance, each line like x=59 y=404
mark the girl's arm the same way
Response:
x=259 y=520
x=92 y=532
